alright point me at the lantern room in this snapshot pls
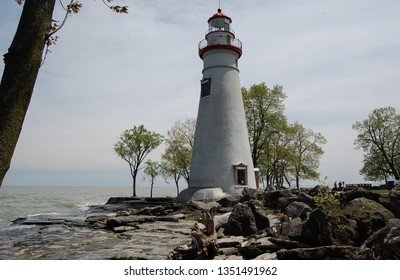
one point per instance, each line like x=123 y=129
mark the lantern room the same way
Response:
x=220 y=35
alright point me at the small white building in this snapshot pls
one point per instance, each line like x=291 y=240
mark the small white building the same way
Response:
x=221 y=158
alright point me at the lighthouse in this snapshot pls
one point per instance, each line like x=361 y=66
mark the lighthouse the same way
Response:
x=221 y=159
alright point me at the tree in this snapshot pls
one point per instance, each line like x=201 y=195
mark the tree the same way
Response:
x=35 y=33
x=170 y=168
x=264 y=114
x=133 y=147
x=307 y=152
x=178 y=153
x=379 y=138
x=152 y=170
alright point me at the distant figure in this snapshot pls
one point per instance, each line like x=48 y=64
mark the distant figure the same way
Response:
x=335 y=185
x=340 y=185
x=343 y=185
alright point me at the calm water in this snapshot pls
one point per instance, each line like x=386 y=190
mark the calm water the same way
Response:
x=24 y=201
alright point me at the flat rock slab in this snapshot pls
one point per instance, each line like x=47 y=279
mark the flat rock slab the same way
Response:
x=58 y=241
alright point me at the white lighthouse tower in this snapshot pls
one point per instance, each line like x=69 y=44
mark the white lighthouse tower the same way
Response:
x=221 y=158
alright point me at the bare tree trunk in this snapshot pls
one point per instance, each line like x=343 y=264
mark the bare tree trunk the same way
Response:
x=22 y=63
x=204 y=242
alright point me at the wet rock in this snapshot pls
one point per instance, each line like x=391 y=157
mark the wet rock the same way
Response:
x=50 y=220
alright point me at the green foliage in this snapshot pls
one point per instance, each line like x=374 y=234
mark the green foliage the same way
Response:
x=379 y=138
x=282 y=151
x=328 y=202
x=152 y=170
x=178 y=154
x=307 y=152
x=264 y=114
x=133 y=147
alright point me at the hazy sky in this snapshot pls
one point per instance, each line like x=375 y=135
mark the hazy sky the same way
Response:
x=336 y=60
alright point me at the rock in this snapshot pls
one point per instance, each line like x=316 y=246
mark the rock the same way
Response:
x=307 y=199
x=123 y=229
x=271 y=198
x=128 y=220
x=50 y=220
x=298 y=210
x=248 y=194
x=267 y=257
x=241 y=222
x=288 y=244
x=151 y=211
x=385 y=243
x=261 y=217
x=264 y=244
x=323 y=253
x=314 y=191
x=394 y=198
x=221 y=220
x=202 y=206
x=229 y=201
x=233 y=241
x=358 y=193
x=322 y=229
x=369 y=215
x=96 y=219
x=292 y=229
x=284 y=202
x=250 y=252
x=275 y=225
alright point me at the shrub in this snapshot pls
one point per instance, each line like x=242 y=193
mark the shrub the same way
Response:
x=328 y=202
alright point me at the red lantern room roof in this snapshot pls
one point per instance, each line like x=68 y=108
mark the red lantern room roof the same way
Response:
x=219 y=14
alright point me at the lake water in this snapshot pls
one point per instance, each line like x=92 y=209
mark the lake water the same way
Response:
x=25 y=201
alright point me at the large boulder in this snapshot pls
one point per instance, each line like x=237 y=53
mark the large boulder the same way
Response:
x=241 y=222
x=385 y=243
x=298 y=210
x=272 y=198
x=307 y=199
x=359 y=192
x=369 y=215
x=322 y=229
x=259 y=213
x=394 y=198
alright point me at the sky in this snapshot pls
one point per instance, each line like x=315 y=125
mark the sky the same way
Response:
x=336 y=60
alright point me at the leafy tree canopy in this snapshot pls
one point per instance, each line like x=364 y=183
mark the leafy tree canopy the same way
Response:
x=133 y=147
x=379 y=138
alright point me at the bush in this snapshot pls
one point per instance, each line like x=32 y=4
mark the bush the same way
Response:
x=328 y=202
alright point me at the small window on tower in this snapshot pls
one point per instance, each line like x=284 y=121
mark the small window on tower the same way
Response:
x=205 y=87
x=240 y=173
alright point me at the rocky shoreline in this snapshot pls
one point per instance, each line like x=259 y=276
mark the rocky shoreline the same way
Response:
x=282 y=224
